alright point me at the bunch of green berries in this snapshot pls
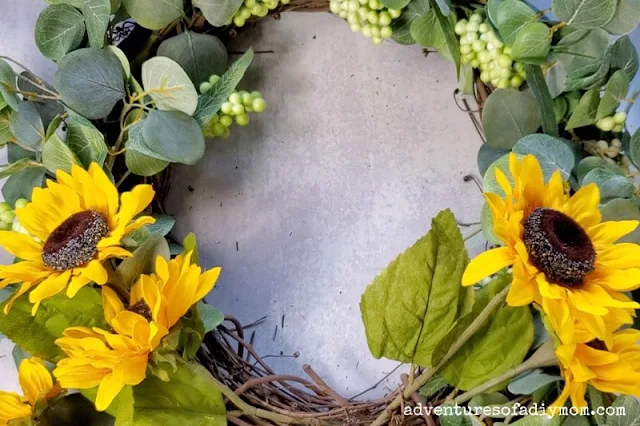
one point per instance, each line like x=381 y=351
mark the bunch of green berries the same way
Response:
x=8 y=219
x=256 y=8
x=237 y=107
x=368 y=17
x=480 y=47
x=615 y=123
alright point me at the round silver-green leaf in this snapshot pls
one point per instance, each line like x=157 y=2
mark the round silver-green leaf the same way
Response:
x=616 y=91
x=218 y=12
x=508 y=116
x=56 y=155
x=585 y=13
x=626 y=18
x=59 y=30
x=8 y=85
x=97 y=14
x=174 y=135
x=532 y=43
x=552 y=153
x=512 y=17
x=26 y=125
x=154 y=14
x=169 y=85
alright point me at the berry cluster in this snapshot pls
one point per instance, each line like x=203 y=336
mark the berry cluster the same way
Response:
x=480 y=47
x=8 y=220
x=256 y=8
x=615 y=123
x=368 y=17
x=604 y=149
x=238 y=106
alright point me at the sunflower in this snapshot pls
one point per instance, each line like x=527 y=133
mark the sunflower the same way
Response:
x=75 y=224
x=614 y=370
x=37 y=385
x=564 y=257
x=113 y=360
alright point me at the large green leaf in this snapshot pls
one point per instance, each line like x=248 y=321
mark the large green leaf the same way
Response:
x=137 y=143
x=96 y=14
x=580 y=48
x=56 y=155
x=18 y=166
x=59 y=30
x=512 y=17
x=626 y=18
x=540 y=91
x=174 y=135
x=552 y=153
x=85 y=140
x=91 y=82
x=509 y=115
x=21 y=184
x=143 y=165
x=211 y=316
x=492 y=11
x=143 y=260
x=628 y=405
x=487 y=155
x=169 y=85
x=428 y=31
x=532 y=43
x=8 y=85
x=218 y=12
x=586 y=111
x=26 y=125
x=433 y=386
x=497 y=347
x=591 y=76
x=395 y=4
x=634 y=148
x=416 y=299
x=209 y=103
x=154 y=14
x=624 y=56
x=402 y=26
x=616 y=91
x=585 y=13
x=589 y=163
x=37 y=334
x=200 y=55
x=611 y=185
x=529 y=382
x=623 y=209
x=447 y=25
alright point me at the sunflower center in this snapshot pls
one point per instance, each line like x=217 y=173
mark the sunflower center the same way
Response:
x=74 y=242
x=598 y=345
x=558 y=246
x=142 y=309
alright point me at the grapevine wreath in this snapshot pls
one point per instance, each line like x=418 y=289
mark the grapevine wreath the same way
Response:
x=106 y=309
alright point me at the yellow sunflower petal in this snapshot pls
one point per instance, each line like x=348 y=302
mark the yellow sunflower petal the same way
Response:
x=111 y=303
x=76 y=284
x=20 y=245
x=139 y=223
x=24 y=288
x=606 y=233
x=621 y=256
x=559 y=315
x=616 y=279
x=109 y=252
x=134 y=202
x=35 y=379
x=206 y=282
x=51 y=286
x=134 y=369
x=162 y=268
x=583 y=206
x=12 y=407
x=110 y=190
x=109 y=388
x=487 y=263
x=95 y=272
x=554 y=196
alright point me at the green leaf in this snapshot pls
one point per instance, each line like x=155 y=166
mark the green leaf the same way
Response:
x=402 y=26
x=200 y=55
x=540 y=91
x=5 y=130
x=590 y=76
x=589 y=163
x=552 y=153
x=624 y=56
x=586 y=111
x=26 y=125
x=487 y=155
x=154 y=14
x=174 y=135
x=192 y=331
x=143 y=260
x=626 y=18
x=91 y=82
x=97 y=14
x=125 y=409
x=124 y=61
x=21 y=184
x=8 y=85
x=143 y=165
x=211 y=317
x=190 y=244
x=580 y=48
x=508 y=116
x=137 y=143
x=532 y=44
x=395 y=4
x=584 y=13
x=417 y=298
x=492 y=11
x=489 y=352
x=18 y=166
x=597 y=399
x=631 y=408
x=428 y=31
x=433 y=386
x=85 y=140
x=37 y=334
x=527 y=383
x=492 y=402
x=169 y=86
x=209 y=103
x=486 y=224
x=56 y=155
x=19 y=355
x=453 y=417
x=513 y=16
x=163 y=225
x=611 y=185
x=218 y=12
x=74 y=3
x=48 y=109
x=617 y=90
x=59 y=30
x=73 y=409
x=447 y=25
x=623 y=209
x=555 y=77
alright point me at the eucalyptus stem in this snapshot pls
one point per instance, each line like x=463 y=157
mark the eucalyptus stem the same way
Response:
x=123 y=178
x=420 y=381
x=38 y=85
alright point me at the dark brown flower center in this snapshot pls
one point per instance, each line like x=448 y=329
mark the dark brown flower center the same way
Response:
x=558 y=246
x=142 y=309
x=74 y=242
x=598 y=345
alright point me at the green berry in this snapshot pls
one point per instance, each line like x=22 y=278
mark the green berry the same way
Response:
x=215 y=118
x=247 y=99
x=374 y=4
x=460 y=28
x=516 y=81
x=235 y=98
x=485 y=76
x=505 y=61
x=473 y=27
x=353 y=18
x=249 y=3
x=4 y=206
x=256 y=94
x=226 y=134
x=353 y=5
x=373 y=17
x=238 y=21
x=478 y=46
x=237 y=109
x=505 y=72
x=272 y=4
x=226 y=120
x=471 y=37
x=242 y=119
x=226 y=108
x=395 y=13
x=264 y=12
x=507 y=50
x=503 y=83
x=484 y=28
x=476 y=18
x=618 y=128
x=218 y=129
x=384 y=19
x=244 y=12
x=606 y=124
x=386 y=32
x=620 y=117
x=616 y=143
x=376 y=40
x=214 y=79
x=366 y=31
x=334 y=7
x=466 y=49
x=7 y=216
x=285 y=2
x=519 y=67
x=259 y=105
x=343 y=14
x=484 y=57
x=363 y=2
x=375 y=31
x=205 y=87
x=475 y=63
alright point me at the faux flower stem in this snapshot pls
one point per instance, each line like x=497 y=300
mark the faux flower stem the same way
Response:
x=543 y=357
x=421 y=380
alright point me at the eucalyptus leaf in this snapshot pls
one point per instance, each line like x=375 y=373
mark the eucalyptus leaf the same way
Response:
x=26 y=125
x=154 y=14
x=634 y=148
x=631 y=411
x=626 y=18
x=556 y=77
x=489 y=181
x=402 y=26
x=91 y=82
x=487 y=155
x=598 y=399
x=586 y=111
x=18 y=354
x=447 y=25
x=584 y=13
x=513 y=16
x=560 y=108
x=56 y=155
x=541 y=93
x=137 y=143
x=427 y=31
x=169 y=85
x=48 y=109
x=395 y=4
x=74 y=3
x=410 y=306
x=591 y=76
x=174 y=135
x=18 y=166
x=209 y=103
x=96 y=14
x=623 y=209
x=59 y=30
x=218 y=12
x=527 y=383
x=624 y=56
x=85 y=140
x=5 y=131
x=143 y=165
x=532 y=43
x=143 y=260
x=433 y=386
x=589 y=163
x=492 y=11
x=451 y=416
x=580 y=48
x=616 y=91
x=163 y=224
x=21 y=184
x=200 y=55
x=8 y=85
x=611 y=185
x=190 y=245
x=552 y=153
x=508 y=115
x=211 y=317
x=124 y=61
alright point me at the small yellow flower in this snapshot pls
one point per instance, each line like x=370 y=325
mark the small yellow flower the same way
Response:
x=564 y=257
x=114 y=360
x=37 y=385
x=614 y=370
x=75 y=224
